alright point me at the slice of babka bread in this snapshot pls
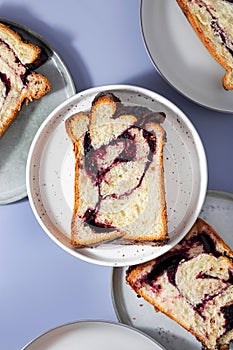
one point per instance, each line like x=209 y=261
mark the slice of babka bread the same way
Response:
x=18 y=82
x=192 y=284
x=212 y=21
x=119 y=179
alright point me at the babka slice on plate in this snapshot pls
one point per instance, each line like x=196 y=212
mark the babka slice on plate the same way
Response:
x=192 y=284
x=18 y=81
x=212 y=21
x=119 y=177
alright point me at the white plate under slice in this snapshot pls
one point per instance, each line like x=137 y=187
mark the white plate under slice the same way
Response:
x=50 y=175
x=180 y=57
x=89 y=335
x=136 y=312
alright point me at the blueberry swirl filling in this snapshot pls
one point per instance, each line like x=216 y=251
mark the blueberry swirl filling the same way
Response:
x=11 y=60
x=133 y=146
x=169 y=263
x=228 y=315
x=6 y=82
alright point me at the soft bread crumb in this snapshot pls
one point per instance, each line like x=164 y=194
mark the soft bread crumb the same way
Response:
x=192 y=284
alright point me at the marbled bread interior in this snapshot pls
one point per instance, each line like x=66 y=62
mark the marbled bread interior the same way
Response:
x=18 y=81
x=119 y=178
x=192 y=284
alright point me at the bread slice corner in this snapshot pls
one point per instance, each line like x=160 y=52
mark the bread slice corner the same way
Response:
x=18 y=82
x=192 y=284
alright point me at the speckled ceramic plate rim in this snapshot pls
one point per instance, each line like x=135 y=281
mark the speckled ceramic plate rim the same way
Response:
x=118 y=255
x=201 y=64
x=66 y=331
x=22 y=191
x=131 y=319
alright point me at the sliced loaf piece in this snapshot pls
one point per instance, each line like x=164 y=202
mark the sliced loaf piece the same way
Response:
x=119 y=179
x=192 y=284
x=212 y=21
x=18 y=82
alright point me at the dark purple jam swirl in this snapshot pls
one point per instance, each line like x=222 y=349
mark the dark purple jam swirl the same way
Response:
x=7 y=83
x=221 y=32
x=89 y=219
x=217 y=28
x=208 y=244
x=129 y=151
x=169 y=261
x=166 y=263
x=143 y=114
x=28 y=68
x=97 y=174
x=228 y=315
x=92 y=156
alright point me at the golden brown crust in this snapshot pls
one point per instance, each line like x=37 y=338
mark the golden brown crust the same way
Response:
x=13 y=38
x=76 y=188
x=70 y=129
x=11 y=117
x=209 y=45
x=99 y=101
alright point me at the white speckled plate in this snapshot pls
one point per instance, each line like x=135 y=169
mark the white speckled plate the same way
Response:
x=15 y=144
x=90 y=335
x=131 y=310
x=180 y=57
x=50 y=175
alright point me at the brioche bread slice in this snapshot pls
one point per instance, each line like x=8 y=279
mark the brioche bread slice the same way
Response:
x=119 y=187
x=192 y=284
x=18 y=82
x=212 y=21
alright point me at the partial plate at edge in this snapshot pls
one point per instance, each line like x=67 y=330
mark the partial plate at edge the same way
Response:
x=180 y=57
x=15 y=143
x=90 y=335
x=136 y=312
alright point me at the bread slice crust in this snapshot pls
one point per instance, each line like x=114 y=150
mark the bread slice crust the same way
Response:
x=18 y=82
x=111 y=143
x=204 y=17
x=205 y=293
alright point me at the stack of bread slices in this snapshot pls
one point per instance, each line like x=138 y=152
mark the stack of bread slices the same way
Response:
x=119 y=174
